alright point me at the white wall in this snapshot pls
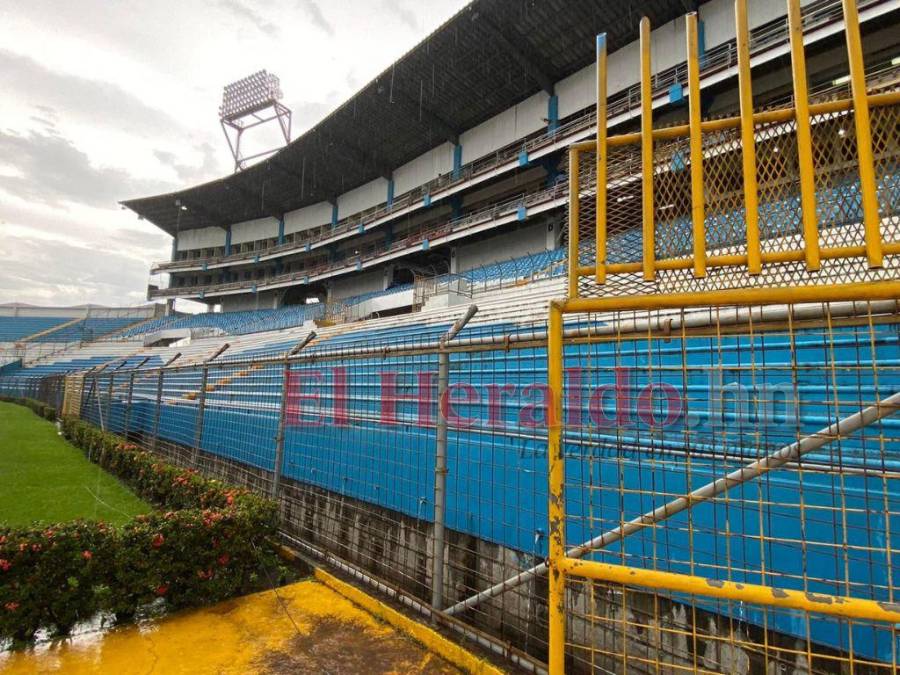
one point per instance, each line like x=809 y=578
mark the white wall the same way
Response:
x=423 y=168
x=307 y=218
x=524 y=241
x=251 y=230
x=204 y=237
x=359 y=199
x=500 y=130
x=356 y=284
x=263 y=300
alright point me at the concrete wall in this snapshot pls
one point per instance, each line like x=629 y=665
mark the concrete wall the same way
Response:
x=524 y=241
x=356 y=284
x=361 y=198
x=307 y=218
x=500 y=130
x=252 y=230
x=248 y=301
x=204 y=237
x=423 y=168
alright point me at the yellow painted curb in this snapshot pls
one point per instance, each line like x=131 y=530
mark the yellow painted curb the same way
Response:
x=430 y=638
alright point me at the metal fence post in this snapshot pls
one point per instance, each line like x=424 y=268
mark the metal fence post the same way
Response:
x=440 y=462
x=109 y=395
x=127 y=422
x=201 y=412
x=282 y=412
x=159 y=392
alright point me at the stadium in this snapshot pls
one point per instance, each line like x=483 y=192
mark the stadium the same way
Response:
x=608 y=397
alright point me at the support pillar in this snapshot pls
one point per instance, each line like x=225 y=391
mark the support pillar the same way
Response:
x=552 y=114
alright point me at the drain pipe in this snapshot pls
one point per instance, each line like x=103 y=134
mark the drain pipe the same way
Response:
x=440 y=461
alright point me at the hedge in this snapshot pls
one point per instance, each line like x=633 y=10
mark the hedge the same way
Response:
x=207 y=542
x=48 y=412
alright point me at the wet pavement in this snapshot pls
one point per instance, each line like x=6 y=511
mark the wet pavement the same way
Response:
x=306 y=628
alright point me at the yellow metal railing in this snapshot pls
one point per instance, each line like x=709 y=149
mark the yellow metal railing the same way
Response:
x=769 y=208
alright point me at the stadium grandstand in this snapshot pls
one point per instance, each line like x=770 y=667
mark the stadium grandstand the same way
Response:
x=426 y=226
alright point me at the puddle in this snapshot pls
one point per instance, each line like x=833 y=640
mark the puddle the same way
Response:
x=307 y=627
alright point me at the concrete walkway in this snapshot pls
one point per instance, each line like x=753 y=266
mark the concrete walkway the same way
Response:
x=307 y=628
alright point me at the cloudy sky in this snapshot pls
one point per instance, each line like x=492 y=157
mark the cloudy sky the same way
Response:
x=102 y=101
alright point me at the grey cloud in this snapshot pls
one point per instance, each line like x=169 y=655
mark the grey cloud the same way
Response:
x=209 y=168
x=314 y=12
x=244 y=12
x=406 y=15
x=46 y=272
x=308 y=113
x=53 y=171
x=82 y=98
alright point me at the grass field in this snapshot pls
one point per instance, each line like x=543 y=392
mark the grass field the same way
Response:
x=44 y=479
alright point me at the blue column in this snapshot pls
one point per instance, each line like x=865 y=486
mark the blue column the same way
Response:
x=389 y=235
x=390 y=191
x=334 y=214
x=281 y=230
x=457 y=160
x=455 y=206
x=228 y=240
x=552 y=114
x=551 y=166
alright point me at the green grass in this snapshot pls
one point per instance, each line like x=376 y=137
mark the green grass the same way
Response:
x=44 y=479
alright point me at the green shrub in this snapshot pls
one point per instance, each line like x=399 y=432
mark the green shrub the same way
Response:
x=39 y=408
x=208 y=543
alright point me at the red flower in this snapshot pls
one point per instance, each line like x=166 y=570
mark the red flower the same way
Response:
x=11 y=606
x=2 y=538
x=162 y=589
x=229 y=498
x=205 y=574
x=223 y=559
x=158 y=540
x=36 y=548
x=87 y=555
x=5 y=565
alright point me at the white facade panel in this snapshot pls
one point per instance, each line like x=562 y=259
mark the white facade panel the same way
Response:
x=578 y=90
x=423 y=168
x=524 y=241
x=357 y=284
x=488 y=136
x=531 y=114
x=718 y=17
x=361 y=198
x=252 y=230
x=204 y=237
x=307 y=218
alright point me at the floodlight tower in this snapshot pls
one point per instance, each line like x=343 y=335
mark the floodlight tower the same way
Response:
x=248 y=103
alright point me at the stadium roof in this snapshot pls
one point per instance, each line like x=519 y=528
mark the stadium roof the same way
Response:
x=488 y=57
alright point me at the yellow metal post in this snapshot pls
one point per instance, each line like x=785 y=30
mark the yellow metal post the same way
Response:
x=600 y=274
x=698 y=214
x=867 y=180
x=748 y=138
x=556 y=507
x=804 y=137
x=649 y=227
x=574 y=215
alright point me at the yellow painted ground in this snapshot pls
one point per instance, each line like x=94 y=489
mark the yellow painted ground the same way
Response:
x=314 y=630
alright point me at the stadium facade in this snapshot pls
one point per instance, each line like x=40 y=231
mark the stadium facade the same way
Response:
x=454 y=156
x=442 y=186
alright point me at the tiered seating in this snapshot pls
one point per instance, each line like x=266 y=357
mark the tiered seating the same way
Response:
x=13 y=328
x=87 y=329
x=233 y=323
x=516 y=268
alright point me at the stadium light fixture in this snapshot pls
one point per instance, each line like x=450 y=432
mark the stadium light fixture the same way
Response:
x=249 y=102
